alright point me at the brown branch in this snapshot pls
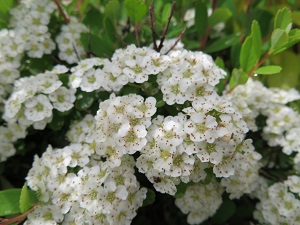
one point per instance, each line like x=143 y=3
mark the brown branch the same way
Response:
x=177 y=40
x=152 y=22
x=214 y=4
x=136 y=33
x=204 y=40
x=249 y=3
x=167 y=27
x=16 y=219
x=259 y=63
x=60 y=9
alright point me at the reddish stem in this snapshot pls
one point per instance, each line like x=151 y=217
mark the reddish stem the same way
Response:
x=60 y=9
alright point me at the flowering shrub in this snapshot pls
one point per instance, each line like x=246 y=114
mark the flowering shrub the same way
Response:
x=107 y=124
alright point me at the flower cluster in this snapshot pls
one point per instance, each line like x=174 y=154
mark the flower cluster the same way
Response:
x=280 y=202
x=282 y=122
x=75 y=189
x=30 y=22
x=200 y=201
x=34 y=98
x=69 y=45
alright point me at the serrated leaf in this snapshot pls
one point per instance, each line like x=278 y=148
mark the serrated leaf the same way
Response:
x=150 y=197
x=136 y=10
x=112 y=10
x=268 y=70
x=201 y=18
x=223 y=43
x=219 y=15
x=283 y=20
x=279 y=38
x=27 y=199
x=9 y=200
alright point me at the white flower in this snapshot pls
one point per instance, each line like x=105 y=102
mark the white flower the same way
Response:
x=38 y=108
x=63 y=99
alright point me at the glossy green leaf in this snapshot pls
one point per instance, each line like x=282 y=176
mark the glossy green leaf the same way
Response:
x=9 y=200
x=219 y=15
x=136 y=10
x=251 y=48
x=150 y=197
x=112 y=10
x=248 y=56
x=279 y=38
x=223 y=43
x=201 y=18
x=225 y=211
x=256 y=38
x=283 y=20
x=27 y=199
x=268 y=70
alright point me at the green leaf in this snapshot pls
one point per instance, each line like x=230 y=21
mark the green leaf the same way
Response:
x=219 y=15
x=239 y=76
x=256 y=38
x=224 y=213
x=84 y=100
x=220 y=62
x=5 y=7
x=9 y=200
x=94 y=21
x=268 y=70
x=27 y=199
x=279 y=38
x=223 y=43
x=165 y=13
x=248 y=56
x=283 y=20
x=150 y=197
x=209 y=175
x=201 y=18
x=181 y=189
x=136 y=10
x=296 y=17
x=251 y=48
x=57 y=122
x=112 y=10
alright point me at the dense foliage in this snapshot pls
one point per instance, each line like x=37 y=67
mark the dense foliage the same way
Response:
x=149 y=112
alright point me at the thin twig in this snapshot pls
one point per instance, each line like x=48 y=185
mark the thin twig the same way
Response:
x=249 y=3
x=136 y=32
x=177 y=40
x=204 y=40
x=167 y=27
x=66 y=18
x=75 y=50
x=214 y=4
x=152 y=23
x=120 y=40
